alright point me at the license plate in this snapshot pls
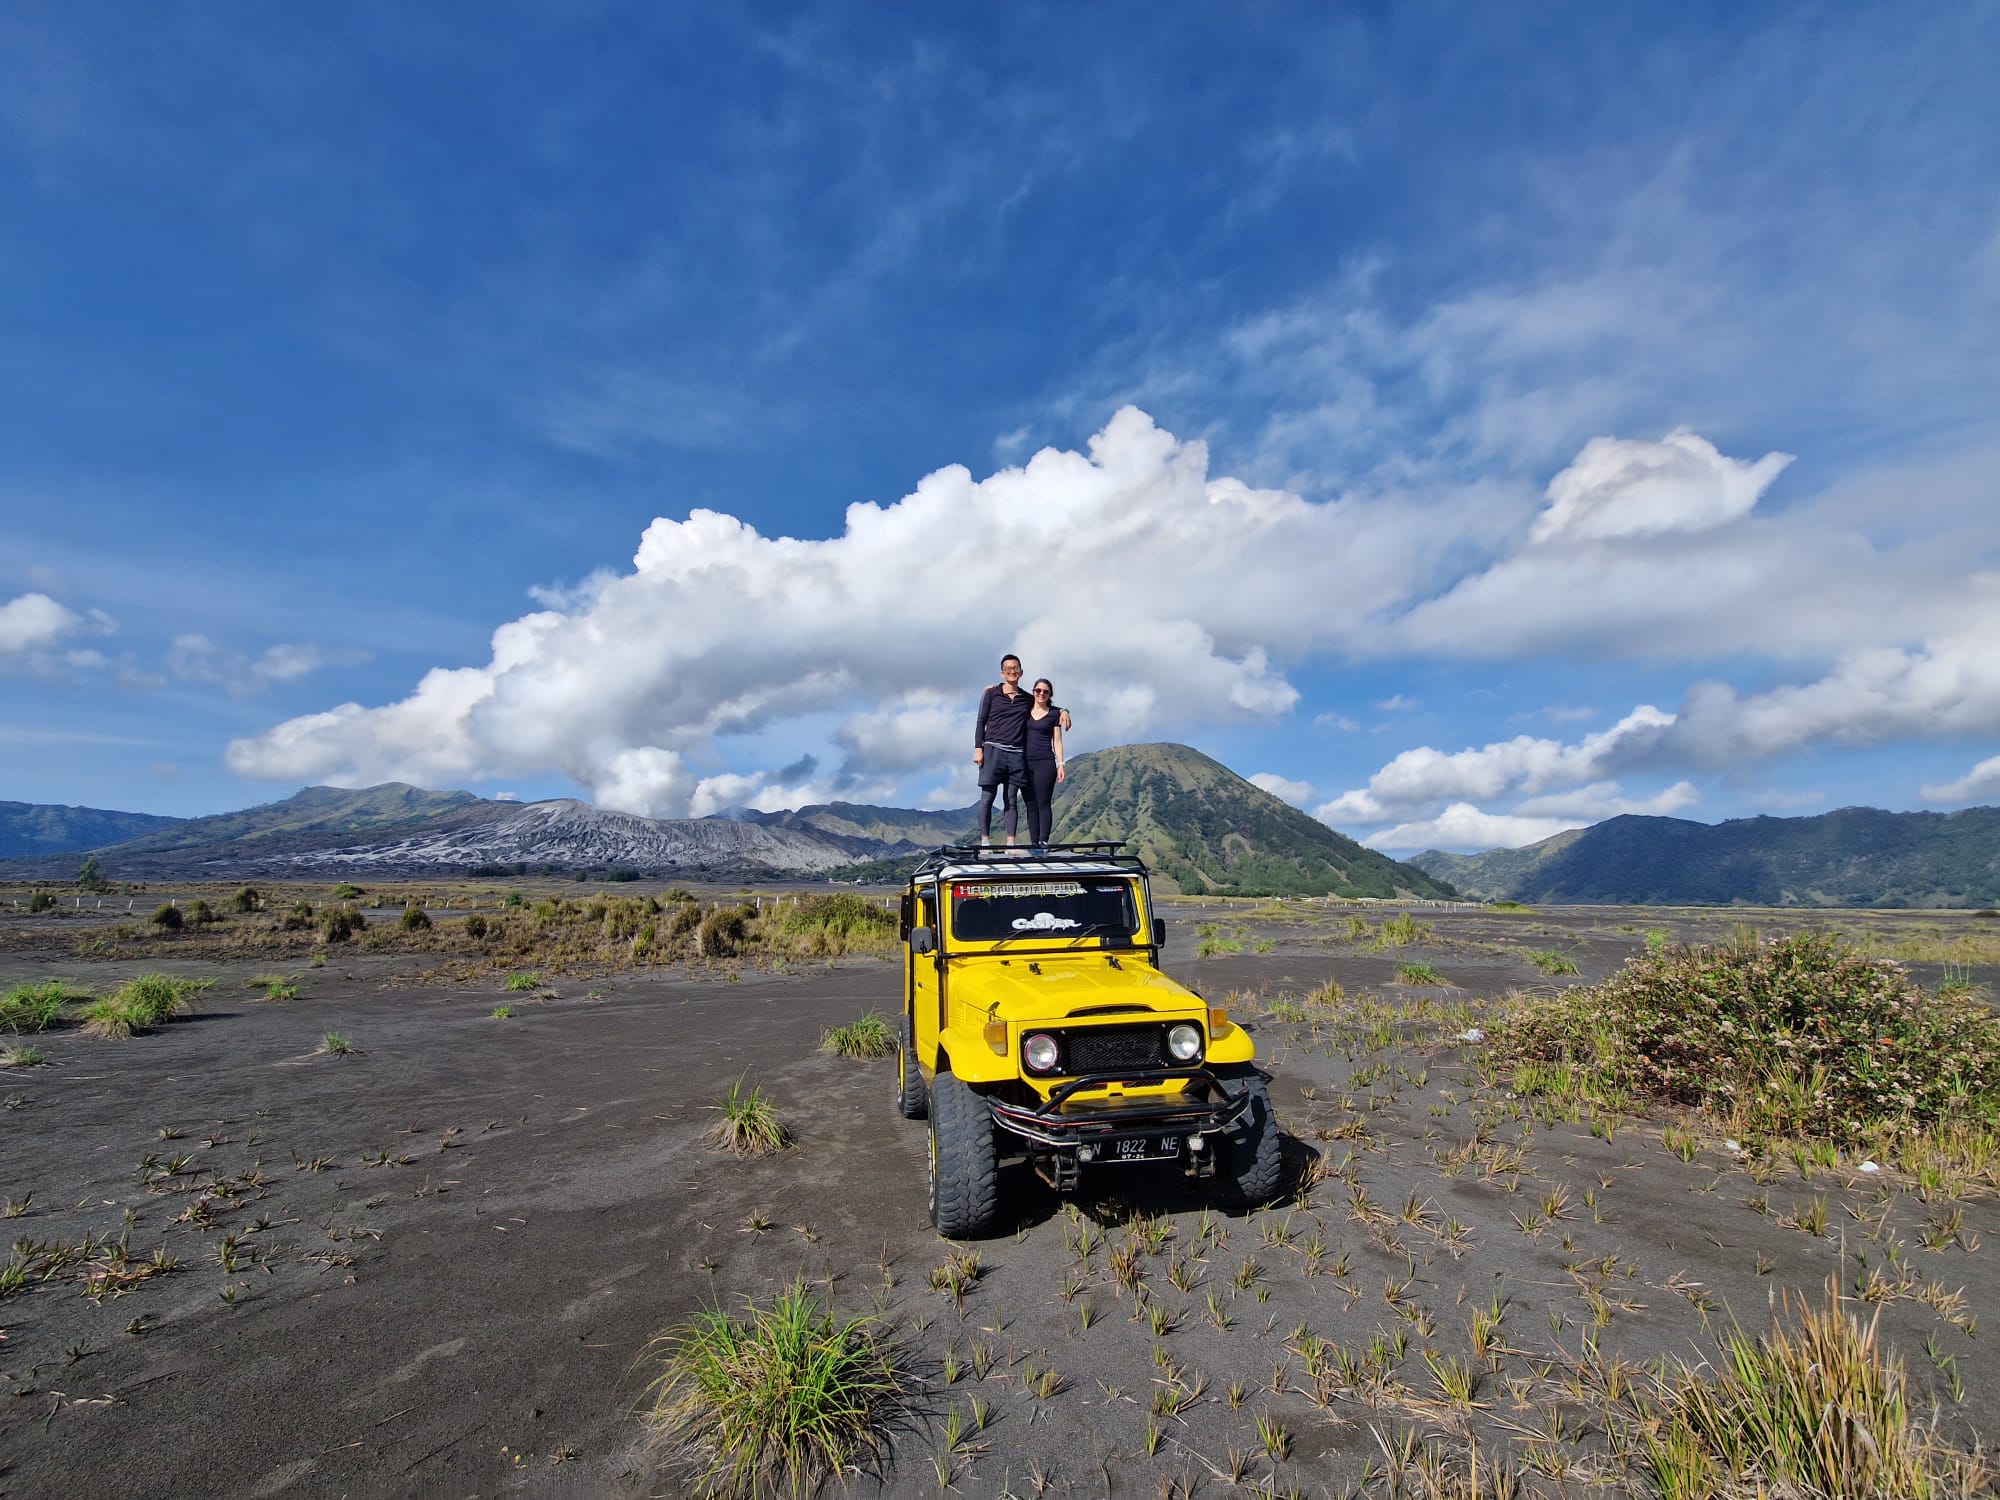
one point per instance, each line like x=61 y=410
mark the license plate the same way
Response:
x=1146 y=1148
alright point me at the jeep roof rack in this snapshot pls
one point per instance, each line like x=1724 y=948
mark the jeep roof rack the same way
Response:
x=1022 y=856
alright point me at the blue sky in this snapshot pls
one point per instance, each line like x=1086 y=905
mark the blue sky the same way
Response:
x=1470 y=421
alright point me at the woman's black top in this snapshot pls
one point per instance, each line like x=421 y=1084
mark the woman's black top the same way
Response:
x=1042 y=736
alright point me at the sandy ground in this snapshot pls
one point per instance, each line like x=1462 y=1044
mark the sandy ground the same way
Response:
x=433 y=1265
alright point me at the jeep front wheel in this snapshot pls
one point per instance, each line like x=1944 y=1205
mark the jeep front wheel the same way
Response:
x=1251 y=1159
x=965 y=1170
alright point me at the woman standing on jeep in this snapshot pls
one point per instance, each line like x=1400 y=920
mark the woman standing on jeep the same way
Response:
x=1044 y=742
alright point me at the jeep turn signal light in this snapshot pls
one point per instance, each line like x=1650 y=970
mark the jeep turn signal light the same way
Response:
x=1218 y=1021
x=996 y=1036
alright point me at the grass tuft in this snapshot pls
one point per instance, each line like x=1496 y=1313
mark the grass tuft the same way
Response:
x=749 y=1123
x=783 y=1397
x=35 y=1007
x=868 y=1037
x=1814 y=1408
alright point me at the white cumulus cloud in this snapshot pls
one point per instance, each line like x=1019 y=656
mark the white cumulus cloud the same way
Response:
x=1461 y=827
x=32 y=625
x=1980 y=784
x=1619 y=487
x=1295 y=792
x=1423 y=776
x=894 y=624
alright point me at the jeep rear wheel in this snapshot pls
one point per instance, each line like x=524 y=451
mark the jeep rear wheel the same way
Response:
x=965 y=1169
x=912 y=1100
x=1251 y=1160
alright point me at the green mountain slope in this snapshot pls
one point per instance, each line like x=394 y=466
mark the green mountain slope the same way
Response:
x=39 y=828
x=1858 y=856
x=1206 y=830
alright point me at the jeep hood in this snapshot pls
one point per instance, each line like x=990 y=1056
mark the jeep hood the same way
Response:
x=1068 y=984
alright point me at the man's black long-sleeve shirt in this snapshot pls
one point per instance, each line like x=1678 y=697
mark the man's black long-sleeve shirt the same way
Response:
x=1002 y=720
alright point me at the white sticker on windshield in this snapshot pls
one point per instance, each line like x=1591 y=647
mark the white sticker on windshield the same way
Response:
x=1044 y=921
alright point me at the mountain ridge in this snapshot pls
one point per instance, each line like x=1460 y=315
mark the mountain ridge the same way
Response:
x=1203 y=827
x=1852 y=856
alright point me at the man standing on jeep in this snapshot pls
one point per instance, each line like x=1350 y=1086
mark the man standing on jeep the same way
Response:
x=999 y=747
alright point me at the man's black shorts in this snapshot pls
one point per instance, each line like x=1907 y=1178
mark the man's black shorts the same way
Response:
x=1004 y=767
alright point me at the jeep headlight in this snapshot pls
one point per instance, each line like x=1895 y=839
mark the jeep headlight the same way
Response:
x=1040 y=1053
x=1184 y=1041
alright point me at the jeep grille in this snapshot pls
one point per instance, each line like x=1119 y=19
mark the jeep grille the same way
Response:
x=1102 y=1049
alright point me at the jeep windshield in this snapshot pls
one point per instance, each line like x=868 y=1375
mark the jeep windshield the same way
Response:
x=992 y=911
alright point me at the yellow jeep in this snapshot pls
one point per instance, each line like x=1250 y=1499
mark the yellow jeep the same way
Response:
x=1037 y=1024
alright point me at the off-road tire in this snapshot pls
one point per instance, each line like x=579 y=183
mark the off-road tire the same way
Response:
x=912 y=1098
x=965 y=1168
x=1249 y=1159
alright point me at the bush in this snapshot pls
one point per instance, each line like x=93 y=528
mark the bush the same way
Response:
x=201 y=914
x=89 y=877
x=475 y=926
x=340 y=924
x=169 y=918
x=40 y=901
x=299 y=918
x=830 y=924
x=416 y=919
x=345 y=891
x=1796 y=1036
x=684 y=920
x=246 y=900
x=721 y=932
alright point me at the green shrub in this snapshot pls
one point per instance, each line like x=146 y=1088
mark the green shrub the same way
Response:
x=246 y=900
x=721 y=932
x=1796 y=1036
x=33 y=1007
x=201 y=914
x=475 y=926
x=168 y=917
x=829 y=925
x=346 y=892
x=686 y=919
x=340 y=924
x=90 y=877
x=522 y=981
x=40 y=901
x=515 y=898
x=415 y=919
x=300 y=918
x=782 y=1399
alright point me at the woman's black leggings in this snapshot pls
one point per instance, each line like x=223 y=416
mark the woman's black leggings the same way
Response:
x=1041 y=796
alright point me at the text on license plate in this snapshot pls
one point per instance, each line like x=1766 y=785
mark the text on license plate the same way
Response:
x=1146 y=1147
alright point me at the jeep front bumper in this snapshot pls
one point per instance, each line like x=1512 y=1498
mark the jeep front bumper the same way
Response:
x=1203 y=1106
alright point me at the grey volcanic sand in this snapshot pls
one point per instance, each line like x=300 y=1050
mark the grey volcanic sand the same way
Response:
x=526 y=1202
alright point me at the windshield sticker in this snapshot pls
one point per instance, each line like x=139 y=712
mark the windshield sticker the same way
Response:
x=1044 y=921
x=1033 y=890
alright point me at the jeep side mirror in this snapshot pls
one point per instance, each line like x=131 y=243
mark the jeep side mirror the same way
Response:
x=1159 y=932
x=923 y=940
